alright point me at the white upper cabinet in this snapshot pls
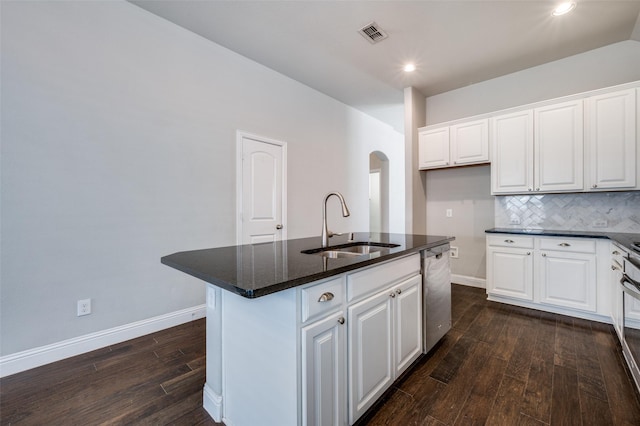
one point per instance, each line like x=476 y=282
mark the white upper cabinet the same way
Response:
x=538 y=150
x=433 y=149
x=512 y=151
x=469 y=143
x=559 y=147
x=611 y=141
x=457 y=145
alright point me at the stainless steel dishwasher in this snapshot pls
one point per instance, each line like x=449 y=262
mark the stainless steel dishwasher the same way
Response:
x=436 y=276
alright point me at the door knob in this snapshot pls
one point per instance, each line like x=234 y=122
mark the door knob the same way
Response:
x=278 y=226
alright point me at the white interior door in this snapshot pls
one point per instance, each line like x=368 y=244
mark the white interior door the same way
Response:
x=262 y=189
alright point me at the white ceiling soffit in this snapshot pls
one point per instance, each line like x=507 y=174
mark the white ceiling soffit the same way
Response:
x=453 y=43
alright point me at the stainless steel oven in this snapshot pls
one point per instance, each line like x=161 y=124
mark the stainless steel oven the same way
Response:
x=630 y=283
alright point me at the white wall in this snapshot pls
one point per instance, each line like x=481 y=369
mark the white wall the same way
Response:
x=118 y=147
x=607 y=66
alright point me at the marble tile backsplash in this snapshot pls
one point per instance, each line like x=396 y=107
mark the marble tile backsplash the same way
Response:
x=599 y=212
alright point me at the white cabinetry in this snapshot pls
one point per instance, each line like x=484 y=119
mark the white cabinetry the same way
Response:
x=510 y=266
x=588 y=142
x=433 y=148
x=512 y=153
x=563 y=275
x=567 y=273
x=385 y=332
x=324 y=355
x=558 y=147
x=611 y=140
x=538 y=150
x=456 y=145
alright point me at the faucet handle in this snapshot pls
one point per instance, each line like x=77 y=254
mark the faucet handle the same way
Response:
x=331 y=234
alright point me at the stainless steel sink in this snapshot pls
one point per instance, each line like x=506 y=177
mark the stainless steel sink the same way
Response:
x=351 y=250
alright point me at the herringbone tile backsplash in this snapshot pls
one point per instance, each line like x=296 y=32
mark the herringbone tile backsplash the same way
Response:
x=600 y=212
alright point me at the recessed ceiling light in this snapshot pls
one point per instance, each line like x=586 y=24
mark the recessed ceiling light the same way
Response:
x=564 y=8
x=409 y=68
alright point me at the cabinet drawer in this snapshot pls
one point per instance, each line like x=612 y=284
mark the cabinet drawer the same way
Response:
x=366 y=282
x=322 y=298
x=508 y=240
x=576 y=245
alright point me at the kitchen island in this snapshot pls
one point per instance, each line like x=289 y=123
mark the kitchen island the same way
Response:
x=305 y=338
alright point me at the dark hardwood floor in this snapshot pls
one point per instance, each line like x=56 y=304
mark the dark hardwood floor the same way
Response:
x=499 y=365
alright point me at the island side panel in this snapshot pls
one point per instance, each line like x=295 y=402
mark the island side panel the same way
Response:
x=212 y=394
x=260 y=359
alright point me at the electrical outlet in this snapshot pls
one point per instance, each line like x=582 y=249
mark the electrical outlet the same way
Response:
x=454 y=252
x=515 y=221
x=449 y=212
x=84 y=307
x=601 y=223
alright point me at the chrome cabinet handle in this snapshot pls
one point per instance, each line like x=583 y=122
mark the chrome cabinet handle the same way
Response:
x=325 y=297
x=341 y=320
x=564 y=245
x=509 y=241
x=279 y=226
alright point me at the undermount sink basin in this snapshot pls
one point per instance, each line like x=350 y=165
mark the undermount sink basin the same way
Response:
x=350 y=250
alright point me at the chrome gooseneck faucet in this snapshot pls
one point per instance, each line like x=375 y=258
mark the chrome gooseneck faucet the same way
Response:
x=326 y=234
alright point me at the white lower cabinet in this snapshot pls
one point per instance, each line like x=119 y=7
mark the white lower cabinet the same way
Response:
x=385 y=332
x=315 y=355
x=568 y=280
x=324 y=383
x=550 y=273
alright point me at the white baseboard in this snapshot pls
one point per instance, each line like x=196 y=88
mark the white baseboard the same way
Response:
x=31 y=358
x=212 y=403
x=470 y=281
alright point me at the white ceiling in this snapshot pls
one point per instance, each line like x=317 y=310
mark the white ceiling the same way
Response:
x=453 y=43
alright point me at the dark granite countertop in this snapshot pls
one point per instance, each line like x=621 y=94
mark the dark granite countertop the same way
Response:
x=255 y=270
x=624 y=239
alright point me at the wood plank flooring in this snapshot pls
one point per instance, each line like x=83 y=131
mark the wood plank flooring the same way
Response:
x=505 y=365
x=499 y=365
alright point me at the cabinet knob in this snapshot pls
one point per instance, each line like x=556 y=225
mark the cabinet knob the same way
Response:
x=528 y=253
x=564 y=245
x=392 y=295
x=341 y=320
x=509 y=241
x=544 y=255
x=325 y=297
x=537 y=189
x=613 y=268
x=530 y=189
x=615 y=253
x=594 y=186
x=279 y=226
x=399 y=291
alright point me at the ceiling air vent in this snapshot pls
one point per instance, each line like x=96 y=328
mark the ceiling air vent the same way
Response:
x=373 y=33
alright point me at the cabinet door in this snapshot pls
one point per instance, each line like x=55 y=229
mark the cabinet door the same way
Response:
x=470 y=142
x=370 y=351
x=612 y=140
x=433 y=148
x=559 y=147
x=407 y=323
x=512 y=153
x=568 y=279
x=324 y=372
x=510 y=272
